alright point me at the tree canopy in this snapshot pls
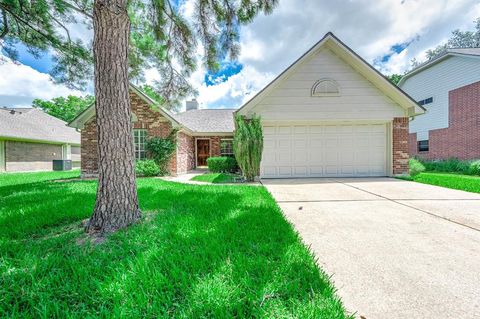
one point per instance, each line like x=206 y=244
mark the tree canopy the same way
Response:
x=64 y=108
x=161 y=37
x=458 y=39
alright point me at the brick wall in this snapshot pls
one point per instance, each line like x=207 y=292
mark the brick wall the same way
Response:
x=185 y=153
x=25 y=156
x=462 y=137
x=400 y=145
x=154 y=122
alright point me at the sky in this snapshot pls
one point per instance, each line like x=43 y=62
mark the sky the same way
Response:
x=386 y=33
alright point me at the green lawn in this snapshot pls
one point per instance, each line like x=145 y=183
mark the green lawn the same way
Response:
x=216 y=178
x=456 y=181
x=202 y=252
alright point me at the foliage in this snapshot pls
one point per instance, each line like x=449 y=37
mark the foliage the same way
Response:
x=452 y=165
x=161 y=150
x=248 y=145
x=188 y=259
x=223 y=164
x=161 y=37
x=416 y=167
x=65 y=108
x=455 y=181
x=215 y=178
x=394 y=78
x=459 y=39
x=146 y=168
x=474 y=167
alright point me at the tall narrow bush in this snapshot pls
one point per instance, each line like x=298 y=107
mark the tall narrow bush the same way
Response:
x=248 y=145
x=162 y=149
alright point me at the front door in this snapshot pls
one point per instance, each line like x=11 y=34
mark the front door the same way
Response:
x=203 y=152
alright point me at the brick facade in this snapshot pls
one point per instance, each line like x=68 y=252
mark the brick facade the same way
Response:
x=146 y=118
x=26 y=156
x=462 y=137
x=400 y=145
x=185 y=153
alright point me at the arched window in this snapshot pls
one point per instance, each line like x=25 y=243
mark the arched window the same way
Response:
x=326 y=87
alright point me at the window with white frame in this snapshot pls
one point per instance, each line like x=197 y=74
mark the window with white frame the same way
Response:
x=226 y=147
x=326 y=87
x=139 y=141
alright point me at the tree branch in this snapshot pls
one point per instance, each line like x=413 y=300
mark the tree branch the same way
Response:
x=5 y=25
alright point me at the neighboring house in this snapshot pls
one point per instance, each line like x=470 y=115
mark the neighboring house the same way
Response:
x=330 y=114
x=449 y=88
x=30 y=139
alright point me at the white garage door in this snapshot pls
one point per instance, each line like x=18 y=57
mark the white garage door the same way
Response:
x=324 y=151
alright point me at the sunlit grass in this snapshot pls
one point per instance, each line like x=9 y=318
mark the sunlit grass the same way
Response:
x=201 y=252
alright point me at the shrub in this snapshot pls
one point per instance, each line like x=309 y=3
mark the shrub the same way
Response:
x=222 y=164
x=474 y=168
x=161 y=150
x=416 y=167
x=452 y=165
x=248 y=145
x=147 y=168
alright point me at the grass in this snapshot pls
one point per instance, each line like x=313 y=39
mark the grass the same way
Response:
x=203 y=252
x=216 y=178
x=7 y=179
x=456 y=181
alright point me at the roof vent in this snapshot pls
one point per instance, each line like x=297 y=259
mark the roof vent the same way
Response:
x=191 y=105
x=12 y=111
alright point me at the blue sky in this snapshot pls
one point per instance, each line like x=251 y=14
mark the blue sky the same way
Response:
x=387 y=33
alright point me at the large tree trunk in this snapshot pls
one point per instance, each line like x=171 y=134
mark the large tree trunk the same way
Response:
x=117 y=201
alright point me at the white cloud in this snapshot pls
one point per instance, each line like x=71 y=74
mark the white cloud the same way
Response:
x=21 y=84
x=271 y=43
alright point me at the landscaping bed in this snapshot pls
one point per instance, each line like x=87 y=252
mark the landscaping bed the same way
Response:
x=201 y=252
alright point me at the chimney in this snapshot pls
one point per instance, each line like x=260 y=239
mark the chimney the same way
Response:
x=191 y=105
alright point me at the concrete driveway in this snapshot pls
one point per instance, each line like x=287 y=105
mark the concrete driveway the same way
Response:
x=395 y=249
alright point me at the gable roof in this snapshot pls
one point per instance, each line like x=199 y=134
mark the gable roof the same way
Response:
x=208 y=120
x=356 y=62
x=30 y=124
x=466 y=52
x=82 y=118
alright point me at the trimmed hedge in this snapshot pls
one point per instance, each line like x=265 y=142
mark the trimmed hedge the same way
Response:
x=451 y=165
x=222 y=164
x=147 y=168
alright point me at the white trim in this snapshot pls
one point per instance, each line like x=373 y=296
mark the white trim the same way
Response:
x=320 y=94
x=209 y=148
x=226 y=139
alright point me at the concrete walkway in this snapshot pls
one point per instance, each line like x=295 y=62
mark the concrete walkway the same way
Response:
x=395 y=249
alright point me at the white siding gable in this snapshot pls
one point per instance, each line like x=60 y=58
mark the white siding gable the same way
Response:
x=436 y=81
x=359 y=99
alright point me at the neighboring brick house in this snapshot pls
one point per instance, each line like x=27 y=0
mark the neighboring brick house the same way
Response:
x=30 y=140
x=449 y=88
x=330 y=114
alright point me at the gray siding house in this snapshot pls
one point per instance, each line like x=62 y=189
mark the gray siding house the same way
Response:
x=30 y=139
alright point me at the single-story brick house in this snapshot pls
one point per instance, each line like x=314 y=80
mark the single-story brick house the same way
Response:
x=329 y=114
x=448 y=86
x=30 y=140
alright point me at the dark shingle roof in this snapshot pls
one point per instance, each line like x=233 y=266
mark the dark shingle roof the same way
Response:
x=34 y=124
x=208 y=120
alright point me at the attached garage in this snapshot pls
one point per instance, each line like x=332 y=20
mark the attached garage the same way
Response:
x=325 y=150
x=331 y=114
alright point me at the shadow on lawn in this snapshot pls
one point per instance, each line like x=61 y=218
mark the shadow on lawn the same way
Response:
x=208 y=252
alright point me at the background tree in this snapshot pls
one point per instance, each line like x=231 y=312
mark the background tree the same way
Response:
x=394 y=78
x=65 y=108
x=129 y=36
x=459 y=39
